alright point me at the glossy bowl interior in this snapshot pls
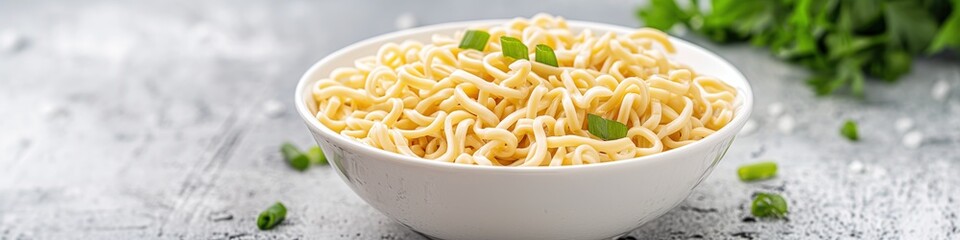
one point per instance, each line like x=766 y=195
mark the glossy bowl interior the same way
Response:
x=456 y=201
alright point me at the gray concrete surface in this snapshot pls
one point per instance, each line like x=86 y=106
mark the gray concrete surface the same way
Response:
x=153 y=120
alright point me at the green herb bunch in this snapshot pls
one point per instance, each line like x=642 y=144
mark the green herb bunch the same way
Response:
x=840 y=41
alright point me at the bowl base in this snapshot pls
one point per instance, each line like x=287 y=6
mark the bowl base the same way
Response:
x=427 y=236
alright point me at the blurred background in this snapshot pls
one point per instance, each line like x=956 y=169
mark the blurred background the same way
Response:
x=162 y=120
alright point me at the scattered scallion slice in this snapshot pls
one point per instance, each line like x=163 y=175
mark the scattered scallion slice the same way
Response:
x=849 y=130
x=475 y=39
x=546 y=56
x=514 y=48
x=605 y=129
x=769 y=205
x=316 y=156
x=272 y=216
x=757 y=171
x=294 y=157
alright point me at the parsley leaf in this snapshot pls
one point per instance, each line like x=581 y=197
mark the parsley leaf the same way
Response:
x=911 y=27
x=949 y=36
x=605 y=129
x=663 y=14
x=842 y=42
x=849 y=130
x=768 y=205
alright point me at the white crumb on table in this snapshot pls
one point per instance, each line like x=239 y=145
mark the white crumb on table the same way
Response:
x=940 y=90
x=912 y=139
x=904 y=124
x=775 y=109
x=273 y=108
x=53 y=110
x=405 y=21
x=9 y=41
x=786 y=124
x=878 y=172
x=856 y=167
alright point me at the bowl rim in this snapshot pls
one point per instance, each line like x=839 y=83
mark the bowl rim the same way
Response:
x=740 y=117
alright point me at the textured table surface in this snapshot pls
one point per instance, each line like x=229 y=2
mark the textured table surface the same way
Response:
x=162 y=120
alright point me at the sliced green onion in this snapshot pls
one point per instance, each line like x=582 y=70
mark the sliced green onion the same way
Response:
x=272 y=216
x=316 y=156
x=475 y=39
x=546 y=56
x=849 y=130
x=768 y=205
x=605 y=129
x=294 y=157
x=757 y=171
x=514 y=48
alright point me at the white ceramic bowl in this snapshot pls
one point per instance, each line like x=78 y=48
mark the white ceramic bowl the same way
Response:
x=456 y=201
